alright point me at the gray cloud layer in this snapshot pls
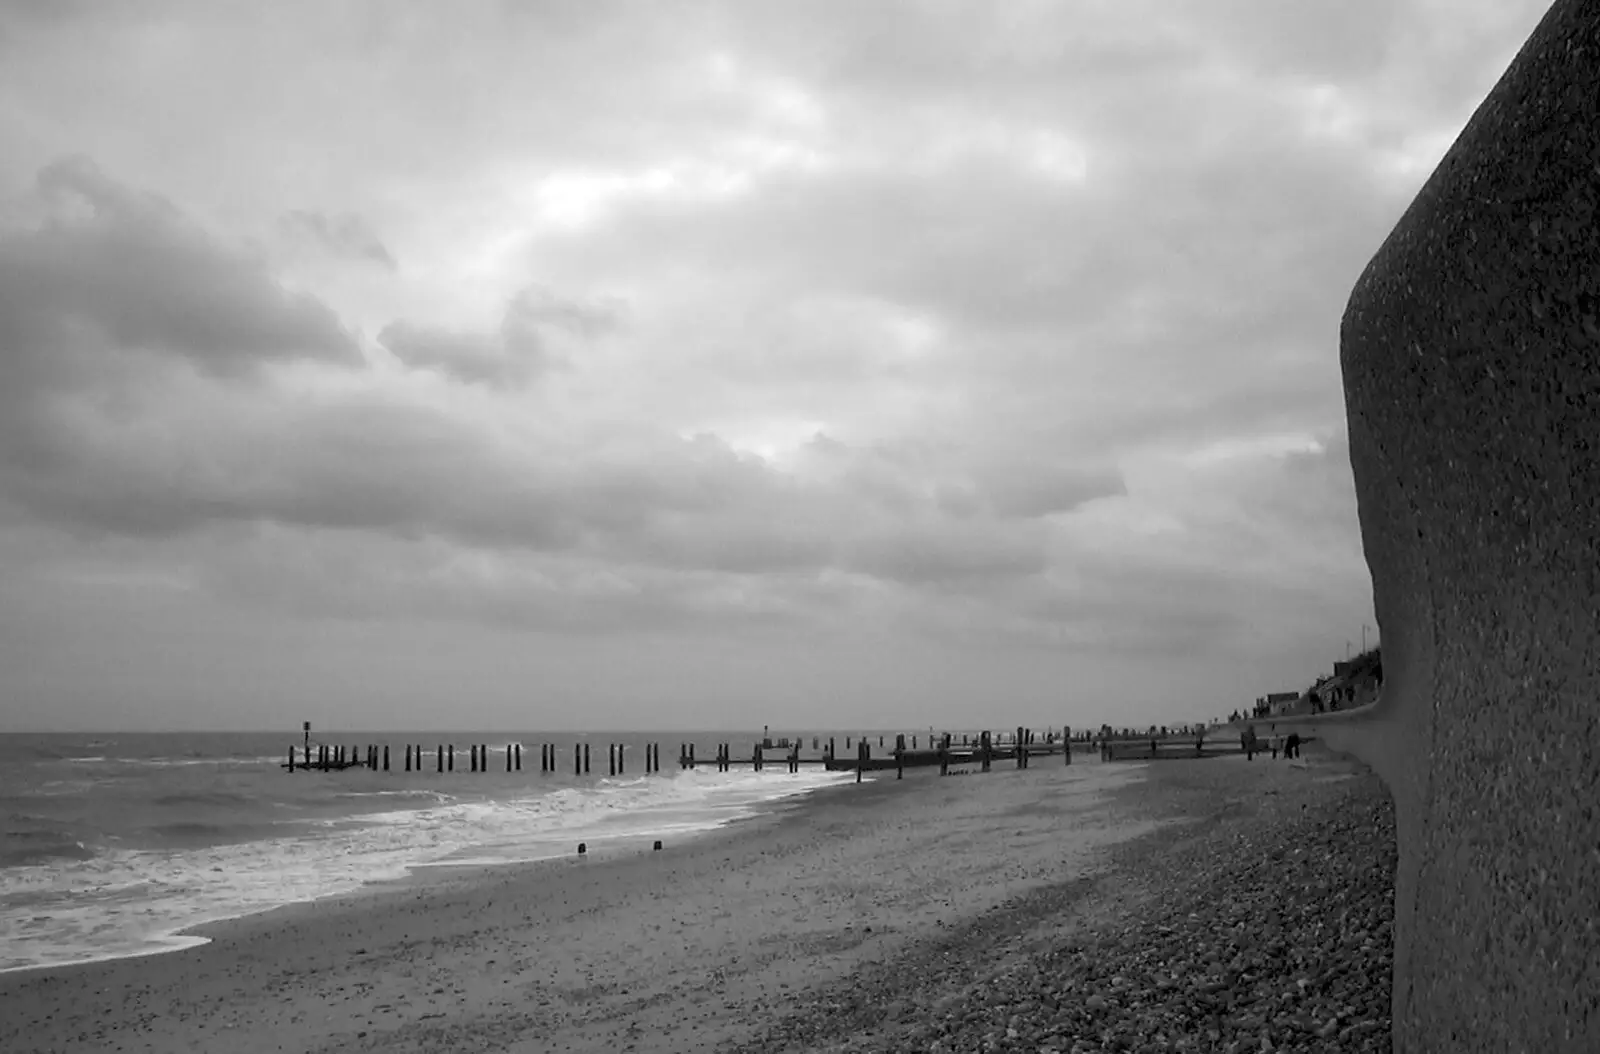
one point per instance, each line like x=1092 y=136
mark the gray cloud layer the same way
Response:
x=521 y=351
x=848 y=331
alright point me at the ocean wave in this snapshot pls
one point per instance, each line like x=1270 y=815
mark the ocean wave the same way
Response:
x=199 y=834
x=202 y=871
x=34 y=840
x=221 y=761
x=225 y=799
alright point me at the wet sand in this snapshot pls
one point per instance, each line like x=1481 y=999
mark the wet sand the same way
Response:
x=697 y=946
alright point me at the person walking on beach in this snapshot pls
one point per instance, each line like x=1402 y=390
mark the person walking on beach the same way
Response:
x=1291 y=746
x=1274 y=741
x=1247 y=740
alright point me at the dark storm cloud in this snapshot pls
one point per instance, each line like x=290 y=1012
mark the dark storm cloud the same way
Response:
x=344 y=235
x=523 y=349
x=1040 y=487
x=118 y=270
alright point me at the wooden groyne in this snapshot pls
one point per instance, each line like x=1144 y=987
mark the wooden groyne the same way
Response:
x=859 y=754
x=869 y=753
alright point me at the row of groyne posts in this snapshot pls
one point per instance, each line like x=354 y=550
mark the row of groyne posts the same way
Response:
x=942 y=751
x=983 y=749
x=324 y=757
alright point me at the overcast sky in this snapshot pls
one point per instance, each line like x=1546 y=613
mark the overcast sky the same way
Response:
x=670 y=365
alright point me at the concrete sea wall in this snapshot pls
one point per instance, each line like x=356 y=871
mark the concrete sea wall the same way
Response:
x=1471 y=358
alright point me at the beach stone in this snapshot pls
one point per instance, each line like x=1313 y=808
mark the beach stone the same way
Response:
x=1471 y=359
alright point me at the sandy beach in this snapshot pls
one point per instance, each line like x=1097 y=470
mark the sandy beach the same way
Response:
x=857 y=918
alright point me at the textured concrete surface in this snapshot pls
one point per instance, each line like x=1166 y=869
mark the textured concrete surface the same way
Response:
x=1471 y=356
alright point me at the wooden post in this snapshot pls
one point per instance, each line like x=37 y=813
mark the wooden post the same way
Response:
x=450 y=757
x=408 y=757
x=386 y=757
x=291 y=757
x=983 y=748
x=899 y=763
x=832 y=753
x=691 y=755
x=621 y=761
x=755 y=757
x=1066 y=742
x=861 y=758
x=1022 y=753
x=586 y=759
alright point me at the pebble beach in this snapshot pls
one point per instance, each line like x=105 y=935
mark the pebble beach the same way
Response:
x=1214 y=905
x=1260 y=920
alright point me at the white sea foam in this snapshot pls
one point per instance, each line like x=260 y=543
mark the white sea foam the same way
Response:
x=137 y=902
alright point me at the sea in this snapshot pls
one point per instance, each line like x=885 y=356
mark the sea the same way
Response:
x=115 y=844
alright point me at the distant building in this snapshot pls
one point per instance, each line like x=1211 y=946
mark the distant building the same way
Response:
x=1281 y=702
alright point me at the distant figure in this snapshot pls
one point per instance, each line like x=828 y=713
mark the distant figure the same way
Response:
x=1247 y=740
x=1275 y=741
x=1291 y=746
